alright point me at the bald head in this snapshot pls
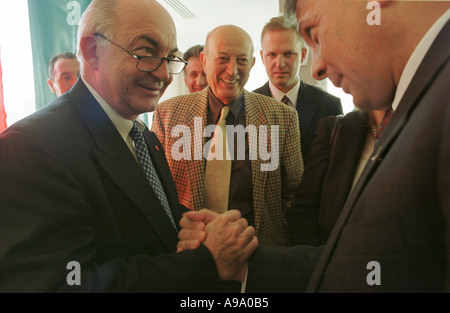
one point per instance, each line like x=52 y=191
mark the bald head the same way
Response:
x=230 y=32
x=228 y=59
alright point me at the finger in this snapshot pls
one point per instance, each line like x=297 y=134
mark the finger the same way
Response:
x=186 y=223
x=248 y=233
x=188 y=245
x=242 y=222
x=250 y=247
x=188 y=234
x=231 y=215
x=203 y=215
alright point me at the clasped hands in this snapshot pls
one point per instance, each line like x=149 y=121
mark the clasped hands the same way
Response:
x=227 y=236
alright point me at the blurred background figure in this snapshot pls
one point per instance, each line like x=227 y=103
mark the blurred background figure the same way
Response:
x=63 y=71
x=194 y=74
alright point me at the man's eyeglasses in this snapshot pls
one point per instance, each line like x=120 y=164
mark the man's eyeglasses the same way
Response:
x=150 y=63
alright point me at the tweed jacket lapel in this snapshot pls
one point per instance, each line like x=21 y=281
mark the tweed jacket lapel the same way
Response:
x=196 y=167
x=434 y=60
x=254 y=115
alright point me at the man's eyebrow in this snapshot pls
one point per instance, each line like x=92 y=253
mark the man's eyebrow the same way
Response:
x=154 y=43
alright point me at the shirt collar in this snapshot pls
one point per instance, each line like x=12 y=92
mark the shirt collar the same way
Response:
x=417 y=57
x=292 y=94
x=215 y=105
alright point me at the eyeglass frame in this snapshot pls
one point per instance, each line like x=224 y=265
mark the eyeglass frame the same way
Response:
x=139 y=57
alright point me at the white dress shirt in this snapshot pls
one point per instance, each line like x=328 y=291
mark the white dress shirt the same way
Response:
x=291 y=94
x=417 y=57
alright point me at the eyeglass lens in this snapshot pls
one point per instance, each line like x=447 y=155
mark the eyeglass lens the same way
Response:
x=150 y=64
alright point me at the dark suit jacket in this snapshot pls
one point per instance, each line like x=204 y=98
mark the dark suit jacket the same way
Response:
x=70 y=190
x=328 y=177
x=312 y=104
x=398 y=214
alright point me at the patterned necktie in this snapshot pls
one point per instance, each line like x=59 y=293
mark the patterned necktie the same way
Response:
x=218 y=172
x=148 y=168
x=285 y=100
x=383 y=123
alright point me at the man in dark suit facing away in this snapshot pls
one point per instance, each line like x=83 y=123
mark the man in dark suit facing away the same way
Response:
x=393 y=233
x=283 y=51
x=80 y=208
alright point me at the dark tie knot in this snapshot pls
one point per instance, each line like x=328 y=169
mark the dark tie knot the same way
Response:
x=285 y=100
x=135 y=132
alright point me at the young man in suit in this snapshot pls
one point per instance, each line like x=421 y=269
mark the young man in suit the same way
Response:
x=283 y=51
x=393 y=232
x=263 y=196
x=81 y=210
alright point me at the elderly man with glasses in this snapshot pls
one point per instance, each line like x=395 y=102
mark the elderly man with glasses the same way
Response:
x=87 y=201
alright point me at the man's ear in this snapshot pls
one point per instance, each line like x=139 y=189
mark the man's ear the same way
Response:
x=203 y=60
x=261 y=54
x=304 y=53
x=50 y=84
x=89 y=46
x=253 y=63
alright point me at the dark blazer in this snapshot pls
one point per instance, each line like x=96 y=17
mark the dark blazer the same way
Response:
x=70 y=190
x=398 y=212
x=328 y=177
x=312 y=104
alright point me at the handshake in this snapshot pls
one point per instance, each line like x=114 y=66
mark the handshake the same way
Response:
x=227 y=236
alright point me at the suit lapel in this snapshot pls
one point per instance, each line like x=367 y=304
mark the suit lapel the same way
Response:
x=433 y=62
x=118 y=162
x=306 y=108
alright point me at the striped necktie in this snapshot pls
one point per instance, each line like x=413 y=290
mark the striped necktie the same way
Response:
x=149 y=170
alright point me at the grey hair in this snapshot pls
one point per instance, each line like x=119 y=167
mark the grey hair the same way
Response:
x=290 y=15
x=99 y=17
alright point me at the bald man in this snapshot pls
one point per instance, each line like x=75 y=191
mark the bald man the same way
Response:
x=260 y=185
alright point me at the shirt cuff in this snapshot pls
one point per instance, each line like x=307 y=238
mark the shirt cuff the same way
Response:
x=244 y=283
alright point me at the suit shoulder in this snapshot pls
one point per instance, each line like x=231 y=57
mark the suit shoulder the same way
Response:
x=320 y=92
x=270 y=105
x=178 y=103
x=263 y=90
x=52 y=116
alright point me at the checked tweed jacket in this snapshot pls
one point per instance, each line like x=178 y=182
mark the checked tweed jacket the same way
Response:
x=273 y=191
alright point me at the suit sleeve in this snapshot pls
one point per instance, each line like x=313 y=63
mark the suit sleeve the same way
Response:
x=302 y=217
x=48 y=220
x=281 y=269
x=443 y=183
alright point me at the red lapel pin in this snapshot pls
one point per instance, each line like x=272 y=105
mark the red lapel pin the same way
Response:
x=157 y=148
